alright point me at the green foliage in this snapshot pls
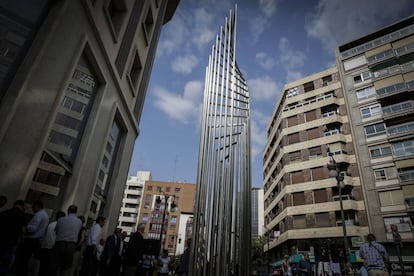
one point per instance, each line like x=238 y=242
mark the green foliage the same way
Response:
x=259 y=258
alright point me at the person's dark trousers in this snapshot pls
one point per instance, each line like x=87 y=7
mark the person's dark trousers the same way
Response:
x=7 y=253
x=90 y=264
x=26 y=249
x=45 y=255
x=62 y=259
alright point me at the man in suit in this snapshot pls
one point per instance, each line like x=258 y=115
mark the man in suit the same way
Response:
x=110 y=264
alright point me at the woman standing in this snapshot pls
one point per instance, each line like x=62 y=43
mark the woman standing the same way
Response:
x=287 y=269
x=164 y=262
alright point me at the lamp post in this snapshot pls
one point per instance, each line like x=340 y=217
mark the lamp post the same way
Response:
x=334 y=171
x=267 y=252
x=173 y=205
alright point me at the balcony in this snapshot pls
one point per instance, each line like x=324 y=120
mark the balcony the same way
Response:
x=372 y=60
x=387 y=72
x=392 y=89
x=406 y=176
x=344 y=197
x=406 y=49
x=397 y=108
x=348 y=222
x=331 y=132
x=400 y=129
x=318 y=99
x=328 y=114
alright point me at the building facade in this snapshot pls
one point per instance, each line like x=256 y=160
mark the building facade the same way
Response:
x=128 y=217
x=378 y=79
x=167 y=208
x=257 y=213
x=71 y=98
x=301 y=201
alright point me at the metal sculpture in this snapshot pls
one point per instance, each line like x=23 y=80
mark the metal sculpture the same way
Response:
x=221 y=234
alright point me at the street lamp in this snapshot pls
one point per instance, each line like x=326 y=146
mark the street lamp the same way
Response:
x=267 y=252
x=334 y=171
x=173 y=205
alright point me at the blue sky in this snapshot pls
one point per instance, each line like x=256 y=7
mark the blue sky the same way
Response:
x=278 y=41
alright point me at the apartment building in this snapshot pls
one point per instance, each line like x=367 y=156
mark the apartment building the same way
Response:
x=128 y=216
x=257 y=212
x=301 y=201
x=378 y=79
x=71 y=97
x=168 y=208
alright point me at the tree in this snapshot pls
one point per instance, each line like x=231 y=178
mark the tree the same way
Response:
x=259 y=258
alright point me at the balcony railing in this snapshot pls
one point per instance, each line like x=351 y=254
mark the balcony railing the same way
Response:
x=400 y=107
x=407 y=66
x=344 y=197
x=348 y=222
x=392 y=89
x=321 y=98
x=406 y=49
x=331 y=132
x=328 y=114
x=387 y=71
x=406 y=176
x=400 y=129
x=381 y=56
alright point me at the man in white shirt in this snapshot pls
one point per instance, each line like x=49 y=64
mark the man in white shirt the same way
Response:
x=30 y=245
x=47 y=244
x=90 y=263
x=67 y=231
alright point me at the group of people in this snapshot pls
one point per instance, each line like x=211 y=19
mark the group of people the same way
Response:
x=34 y=245
x=375 y=263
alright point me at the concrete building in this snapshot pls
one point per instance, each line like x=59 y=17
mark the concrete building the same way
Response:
x=128 y=217
x=301 y=200
x=71 y=97
x=378 y=79
x=257 y=212
x=176 y=201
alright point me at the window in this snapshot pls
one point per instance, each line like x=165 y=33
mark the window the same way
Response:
x=292 y=92
x=149 y=188
x=313 y=133
x=144 y=218
x=315 y=152
x=404 y=148
x=370 y=111
x=310 y=115
x=362 y=77
x=117 y=11
x=318 y=173
x=322 y=220
x=365 y=93
x=135 y=71
x=403 y=223
x=298 y=199
x=168 y=189
x=327 y=80
x=148 y=25
x=292 y=121
x=294 y=156
x=177 y=190
x=380 y=151
x=47 y=177
x=173 y=220
x=320 y=196
x=390 y=198
x=293 y=138
x=158 y=188
x=380 y=174
x=299 y=222
x=374 y=130
x=308 y=86
x=147 y=199
x=296 y=177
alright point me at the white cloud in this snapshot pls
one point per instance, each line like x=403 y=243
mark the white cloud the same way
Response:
x=175 y=33
x=259 y=123
x=258 y=23
x=263 y=88
x=202 y=27
x=290 y=58
x=293 y=75
x=184 y=64
x=184 y=108
x=337 y=21
x=265 y=61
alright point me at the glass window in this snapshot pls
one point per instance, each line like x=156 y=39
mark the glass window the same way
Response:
x=149 y=188
x=380 y=151
x=403 y=223
x=362 y=77
x=380 y=174
x=365 y=93
x=144 y=217
x=370 y=111
x=404 y=148
x=374 y=130
x=177 y=190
